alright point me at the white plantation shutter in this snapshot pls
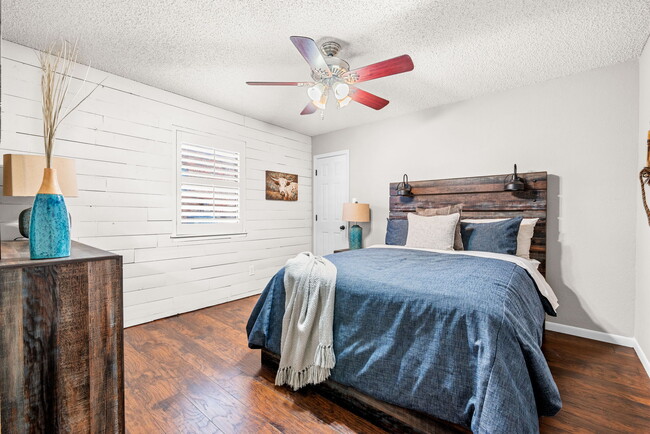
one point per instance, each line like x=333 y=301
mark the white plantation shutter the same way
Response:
x=209 y=185
x=203 y=204
x=210 y=163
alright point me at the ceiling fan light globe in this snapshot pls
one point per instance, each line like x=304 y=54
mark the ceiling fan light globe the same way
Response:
x=341 y=90
x=315 y=92
x=344 y=101
x=321 y=103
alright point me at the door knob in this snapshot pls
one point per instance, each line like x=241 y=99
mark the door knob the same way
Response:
x=342 y=227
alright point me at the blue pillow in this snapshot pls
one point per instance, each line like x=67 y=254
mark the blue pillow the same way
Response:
x=497 y=237
x=396 y=232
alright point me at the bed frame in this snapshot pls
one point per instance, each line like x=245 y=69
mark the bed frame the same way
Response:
x=480 y=197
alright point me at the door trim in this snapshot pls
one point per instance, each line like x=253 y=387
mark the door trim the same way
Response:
x=345 y=152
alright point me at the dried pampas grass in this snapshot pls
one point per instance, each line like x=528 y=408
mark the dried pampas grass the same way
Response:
x=57 y=65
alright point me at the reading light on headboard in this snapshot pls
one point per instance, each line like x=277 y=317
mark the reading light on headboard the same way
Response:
x=514 y=182
x=404 y=188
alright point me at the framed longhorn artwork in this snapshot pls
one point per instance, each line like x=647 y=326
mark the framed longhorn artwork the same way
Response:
x=281 y=186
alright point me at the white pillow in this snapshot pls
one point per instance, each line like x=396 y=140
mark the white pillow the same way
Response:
x=524 y=236
x=432 y=232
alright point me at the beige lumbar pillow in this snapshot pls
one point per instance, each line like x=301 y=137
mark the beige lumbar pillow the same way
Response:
x=435 y=232
x=429 y=212
x=445 y=210
x=524 y=236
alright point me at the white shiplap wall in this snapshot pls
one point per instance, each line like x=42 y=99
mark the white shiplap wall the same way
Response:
x=123 y=141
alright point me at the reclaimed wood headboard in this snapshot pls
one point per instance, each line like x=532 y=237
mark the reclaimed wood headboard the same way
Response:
x=481 y=197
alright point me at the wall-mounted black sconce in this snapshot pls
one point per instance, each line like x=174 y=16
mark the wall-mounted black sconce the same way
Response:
x=404 y=188
x=514 y=182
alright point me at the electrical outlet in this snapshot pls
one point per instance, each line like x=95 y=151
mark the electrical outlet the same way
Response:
x=251 y=270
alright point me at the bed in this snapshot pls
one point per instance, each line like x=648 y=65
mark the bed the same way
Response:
x=435 y=341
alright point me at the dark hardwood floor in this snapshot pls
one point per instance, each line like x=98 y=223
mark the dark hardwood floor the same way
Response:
x=194 y=373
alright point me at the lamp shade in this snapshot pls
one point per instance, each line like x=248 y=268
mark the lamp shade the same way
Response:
x=23 y=174
x=356 y=212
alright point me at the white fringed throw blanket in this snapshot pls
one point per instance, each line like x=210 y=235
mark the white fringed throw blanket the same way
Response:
x=306 y=352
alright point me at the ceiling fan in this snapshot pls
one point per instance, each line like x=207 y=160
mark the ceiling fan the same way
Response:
x=331 y=72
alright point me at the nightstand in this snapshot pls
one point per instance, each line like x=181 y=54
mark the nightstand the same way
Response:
x=61 y=349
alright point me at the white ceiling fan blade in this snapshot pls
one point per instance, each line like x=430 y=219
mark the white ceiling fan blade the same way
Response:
x=312 y=54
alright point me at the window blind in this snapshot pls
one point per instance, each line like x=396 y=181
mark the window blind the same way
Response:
x=210 y=163
x=210 y=190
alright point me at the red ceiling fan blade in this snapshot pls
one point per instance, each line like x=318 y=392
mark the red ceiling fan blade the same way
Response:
x=309 y=109
x=367 y=99
x=312 y=54
x=280 y=83
x=388 y=67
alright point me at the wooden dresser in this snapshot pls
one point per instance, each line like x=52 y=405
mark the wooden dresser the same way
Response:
x=61 y=348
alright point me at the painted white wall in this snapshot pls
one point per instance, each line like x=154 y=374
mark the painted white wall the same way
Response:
x=582 y=129
x=123 y=142
x=642 y=304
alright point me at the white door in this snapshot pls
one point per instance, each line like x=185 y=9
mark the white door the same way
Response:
x=331 y=191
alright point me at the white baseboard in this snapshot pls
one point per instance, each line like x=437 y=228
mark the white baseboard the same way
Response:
x=644 y=359
x=156 y=316
x=591 y=334
x=603 y=337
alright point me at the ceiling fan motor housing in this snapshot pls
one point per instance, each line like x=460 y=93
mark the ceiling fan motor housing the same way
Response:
x=330 y=48
x=337 y=66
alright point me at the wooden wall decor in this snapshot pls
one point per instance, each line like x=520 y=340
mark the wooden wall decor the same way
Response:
x=61 y=348
x=644 y=179
x=482 y=197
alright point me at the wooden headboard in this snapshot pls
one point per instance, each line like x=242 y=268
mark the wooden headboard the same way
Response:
x=481 y=197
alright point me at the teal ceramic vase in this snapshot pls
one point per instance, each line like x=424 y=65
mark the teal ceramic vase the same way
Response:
x=25 y=217
x=49 y=227
x=355 y=237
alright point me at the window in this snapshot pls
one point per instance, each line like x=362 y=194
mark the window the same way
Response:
x=209 y=185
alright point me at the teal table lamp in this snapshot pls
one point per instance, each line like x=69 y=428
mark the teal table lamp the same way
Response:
x=356 y=212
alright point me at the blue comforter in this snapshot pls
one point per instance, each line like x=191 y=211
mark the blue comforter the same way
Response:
x=455 y=336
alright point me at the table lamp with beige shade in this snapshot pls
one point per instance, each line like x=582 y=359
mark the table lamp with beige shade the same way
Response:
x=356 y=212
x=23 y=176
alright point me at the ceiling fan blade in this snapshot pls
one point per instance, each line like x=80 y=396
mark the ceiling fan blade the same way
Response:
x=388 y=67
x=311 y=53
x=309 y=109
x=280 y=83
x=367 y=99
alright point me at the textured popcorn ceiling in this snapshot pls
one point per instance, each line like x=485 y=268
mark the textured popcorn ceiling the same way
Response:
x=207 y=49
